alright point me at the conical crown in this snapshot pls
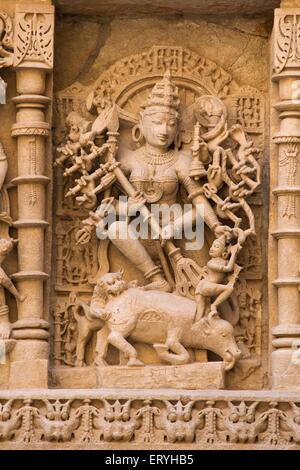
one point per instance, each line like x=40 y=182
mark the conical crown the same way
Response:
x=222 y=241
x=164 y=93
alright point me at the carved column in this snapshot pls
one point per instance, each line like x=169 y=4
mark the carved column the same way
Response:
x=285 y=162
x=33 y=62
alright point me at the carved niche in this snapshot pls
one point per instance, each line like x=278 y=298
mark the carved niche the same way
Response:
x=213 y=147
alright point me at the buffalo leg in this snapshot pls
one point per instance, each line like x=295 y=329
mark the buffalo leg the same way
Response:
x=116 y=339
x=101 y=347
x=83 y=337
x=180 y=356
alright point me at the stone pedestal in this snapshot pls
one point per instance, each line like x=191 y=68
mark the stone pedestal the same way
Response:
x=6 y=347
x=197 y=376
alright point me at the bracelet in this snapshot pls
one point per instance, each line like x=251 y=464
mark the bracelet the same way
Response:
x=4 y=310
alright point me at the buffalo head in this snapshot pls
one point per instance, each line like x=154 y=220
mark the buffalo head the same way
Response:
x=217 y=335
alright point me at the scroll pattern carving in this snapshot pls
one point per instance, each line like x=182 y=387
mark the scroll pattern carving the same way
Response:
x=156 y=62
x=287 y=42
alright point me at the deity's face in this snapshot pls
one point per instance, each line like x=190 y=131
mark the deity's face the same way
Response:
x=216 y=249
x=159 y=128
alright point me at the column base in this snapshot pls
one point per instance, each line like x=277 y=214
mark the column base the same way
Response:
x=29 y=374
x=286 y=369
x=6 y=346
x=29 y=365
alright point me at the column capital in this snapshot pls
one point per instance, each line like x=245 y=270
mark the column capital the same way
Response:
x=286 y=44
x=34 y=34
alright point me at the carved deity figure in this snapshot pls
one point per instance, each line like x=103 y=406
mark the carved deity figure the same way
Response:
x=156 y=171
x=216 y=269
x=6 y=245
x=218 y=178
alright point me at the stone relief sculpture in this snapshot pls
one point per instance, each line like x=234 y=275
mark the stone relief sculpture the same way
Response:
x=6 y=245
x=181 y=154
x=165 y=263
x=6 y=40
x=153 y=317
x=6 y=242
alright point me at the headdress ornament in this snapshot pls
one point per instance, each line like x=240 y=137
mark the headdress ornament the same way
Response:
x=164 y=93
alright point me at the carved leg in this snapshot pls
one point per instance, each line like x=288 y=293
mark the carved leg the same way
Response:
x=227 y=291
x=125 y=240
x=101 y=347
x=5 y=325
x=204 y=292
x=116 y=339
x=201 y=306
x=84 y=335
x=180 y=356
x=235 y=308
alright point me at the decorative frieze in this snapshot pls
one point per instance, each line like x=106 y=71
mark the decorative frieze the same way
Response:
x=157 y=420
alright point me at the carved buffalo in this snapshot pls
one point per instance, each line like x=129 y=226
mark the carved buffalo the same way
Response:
x=160 y=319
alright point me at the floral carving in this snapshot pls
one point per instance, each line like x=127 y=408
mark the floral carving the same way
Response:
x=179 y=422
x=34 y=33
x=119 y=421
x=56 y=419
x=287 y=44
x=57 y=425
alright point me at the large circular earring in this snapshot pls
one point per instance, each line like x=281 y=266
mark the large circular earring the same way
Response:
x=137 y=134
x=177 y=140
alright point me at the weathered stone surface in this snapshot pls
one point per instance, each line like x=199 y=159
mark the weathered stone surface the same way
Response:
x=92 y=45
x=198 y=376
x=77 y=377
x=20 y=378
x=195 y=7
